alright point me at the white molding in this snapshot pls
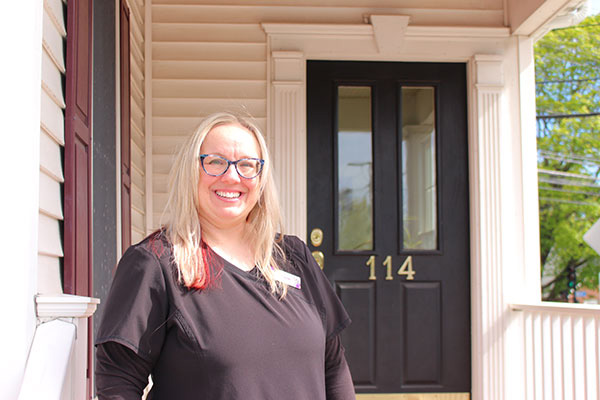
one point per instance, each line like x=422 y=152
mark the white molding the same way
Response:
x=65 y=306
x=287 y=140
x=571 y=309
x=487 y=308
x=357 y=30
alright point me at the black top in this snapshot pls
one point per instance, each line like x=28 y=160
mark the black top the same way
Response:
x=235 y=340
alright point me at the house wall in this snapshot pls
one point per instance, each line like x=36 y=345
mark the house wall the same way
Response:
x=52 y=140
x=20 y=81
x=138 y=122
x=209 y=57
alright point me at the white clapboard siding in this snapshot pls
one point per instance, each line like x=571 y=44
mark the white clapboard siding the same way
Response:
x=211 y=56
x=198 y=68
x=184 y=69
x=210 y=32
x=53 y=119
x=177 y=126
x=50 y=202
x=52 y=139
x=206 y=51
x=50 y=158
x=138 y=124
x=160 y=182
x=432 y=12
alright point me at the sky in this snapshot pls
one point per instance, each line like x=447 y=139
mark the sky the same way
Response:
x=593 y=7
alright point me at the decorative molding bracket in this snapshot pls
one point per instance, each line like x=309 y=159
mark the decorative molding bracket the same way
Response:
x=390 y=31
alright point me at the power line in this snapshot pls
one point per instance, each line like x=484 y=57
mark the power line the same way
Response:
x=566 y=182
x=581 y=203
x=569 y=157
x=553 y=189
x=568 y=81
x=570 y=160
x=567 y=174
x=562 y=116
x=576 y=27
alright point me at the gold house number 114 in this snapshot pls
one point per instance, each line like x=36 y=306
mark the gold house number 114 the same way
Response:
x=405 y=269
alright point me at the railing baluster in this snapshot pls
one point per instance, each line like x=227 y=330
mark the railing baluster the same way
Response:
x=562 y=351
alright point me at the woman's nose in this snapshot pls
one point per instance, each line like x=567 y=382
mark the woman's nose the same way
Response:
x=231 y=174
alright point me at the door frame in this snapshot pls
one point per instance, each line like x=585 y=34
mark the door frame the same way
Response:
x=502 y=160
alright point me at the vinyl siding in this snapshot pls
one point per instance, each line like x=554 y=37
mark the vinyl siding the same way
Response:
x=52 y=133
x=138 y=124
x=212 y=56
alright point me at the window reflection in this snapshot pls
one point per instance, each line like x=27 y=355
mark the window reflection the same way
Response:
x=419 y=186
x=354 y=169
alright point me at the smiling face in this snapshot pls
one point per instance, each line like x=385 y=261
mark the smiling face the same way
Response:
x=225 y=201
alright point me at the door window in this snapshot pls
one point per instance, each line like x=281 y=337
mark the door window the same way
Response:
x=354 y=169
x=419 y=192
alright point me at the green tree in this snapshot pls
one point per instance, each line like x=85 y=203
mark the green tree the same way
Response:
x=567 y=67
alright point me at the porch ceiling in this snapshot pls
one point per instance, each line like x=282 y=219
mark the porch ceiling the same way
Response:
x=523 y=17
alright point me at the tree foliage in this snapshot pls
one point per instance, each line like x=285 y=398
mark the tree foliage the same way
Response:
x=567 y=66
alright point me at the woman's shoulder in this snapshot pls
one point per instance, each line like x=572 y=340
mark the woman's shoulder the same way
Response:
x=157 y=244
x=294 y=248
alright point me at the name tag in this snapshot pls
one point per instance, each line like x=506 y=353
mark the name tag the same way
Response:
x=287 y=278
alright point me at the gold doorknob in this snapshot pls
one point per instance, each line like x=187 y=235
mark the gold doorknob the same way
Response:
x=316 y=237
x=319 y=258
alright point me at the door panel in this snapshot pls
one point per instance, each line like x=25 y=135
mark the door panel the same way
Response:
x=387 y=185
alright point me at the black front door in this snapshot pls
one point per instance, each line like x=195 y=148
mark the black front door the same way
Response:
x=388 y=188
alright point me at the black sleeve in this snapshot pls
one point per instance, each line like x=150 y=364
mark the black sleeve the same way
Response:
x=137 y=307
x=120 y=373
x=338 y=382
x=319 y=288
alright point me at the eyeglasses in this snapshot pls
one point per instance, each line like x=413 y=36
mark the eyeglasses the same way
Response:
x=247 y=168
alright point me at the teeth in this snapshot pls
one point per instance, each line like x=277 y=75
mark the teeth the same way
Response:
x=229 y=195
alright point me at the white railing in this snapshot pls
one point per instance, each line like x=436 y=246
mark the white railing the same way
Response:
x=57 y=363
x=562 y=350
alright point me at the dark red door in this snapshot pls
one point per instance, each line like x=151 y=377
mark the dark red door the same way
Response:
x=78 y=157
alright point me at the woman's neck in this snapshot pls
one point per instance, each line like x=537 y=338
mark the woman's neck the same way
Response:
x=230 y=243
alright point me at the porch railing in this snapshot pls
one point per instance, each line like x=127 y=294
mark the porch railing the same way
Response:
x=562 y=350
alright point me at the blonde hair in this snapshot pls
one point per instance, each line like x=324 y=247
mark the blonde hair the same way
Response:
x=183 y=226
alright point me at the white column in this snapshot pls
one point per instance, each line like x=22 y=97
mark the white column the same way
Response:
x=20 y=80
x=287 y=136
x=486 y=81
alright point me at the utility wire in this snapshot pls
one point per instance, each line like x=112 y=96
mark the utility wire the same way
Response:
x=553 y=189
x=571 y=161
x=562 y=116
x=576 y=27
x=566 y=182
x=568 y=81
x=568 y=157
x=566 y=174
x=581 y=203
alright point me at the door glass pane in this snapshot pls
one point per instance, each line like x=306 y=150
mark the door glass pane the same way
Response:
x=354 y=169
x=419 y=191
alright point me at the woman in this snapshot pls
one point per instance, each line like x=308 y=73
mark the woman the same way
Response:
x=217 y=305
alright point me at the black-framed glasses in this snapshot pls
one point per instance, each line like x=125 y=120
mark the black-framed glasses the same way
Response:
x=215 y=165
